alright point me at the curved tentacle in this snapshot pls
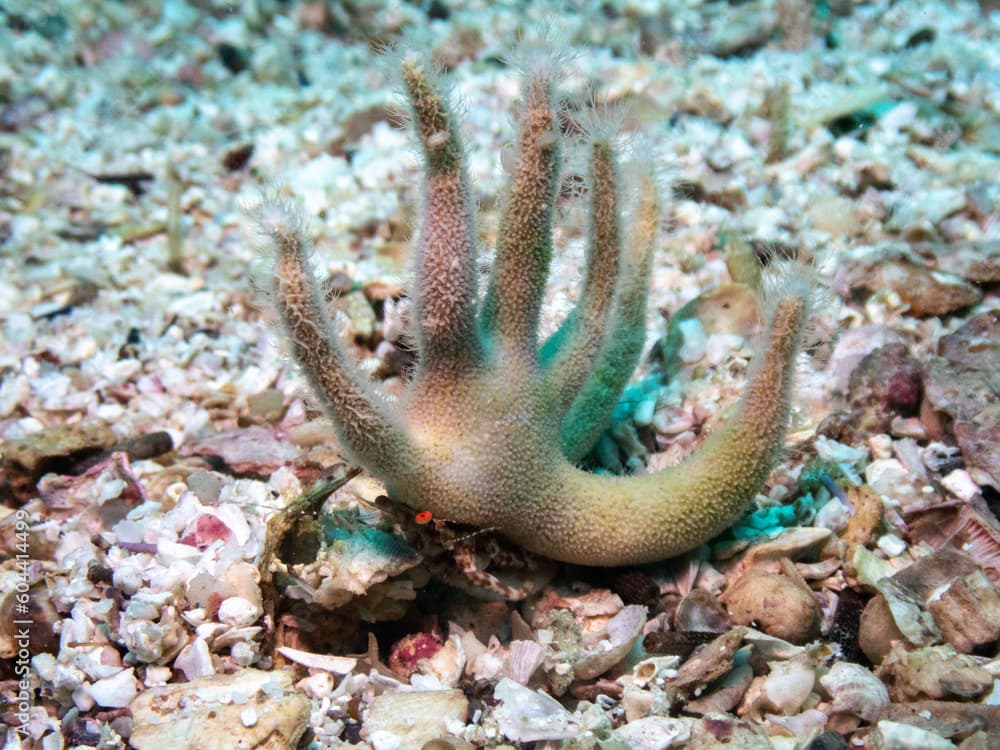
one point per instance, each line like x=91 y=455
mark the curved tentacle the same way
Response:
x=368 y=429
x=592 y=519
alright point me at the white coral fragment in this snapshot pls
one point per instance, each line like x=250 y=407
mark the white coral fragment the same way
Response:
x=116 y=691
x=528 y=715
x=892 y=735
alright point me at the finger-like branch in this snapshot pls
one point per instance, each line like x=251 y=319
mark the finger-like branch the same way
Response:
x=446 y=289
x=367 y=429
x=577 y=343
x=524 y=247
x=591 y=410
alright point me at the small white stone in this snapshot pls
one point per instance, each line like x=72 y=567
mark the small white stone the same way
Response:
x=116 y=691
x=248 y=717
x=720 y=346
x=695 y=341
x=889 y=477
x=45 y=666
x=834 y=516
x=244 y=653
x=317 y=685
x=881 y=446
x=82 y=699
x=128 y=578
x=383 y=740
x=892 y=545
x=238 y=612
x=194 y=660
x=960 y=484
x=157 y=676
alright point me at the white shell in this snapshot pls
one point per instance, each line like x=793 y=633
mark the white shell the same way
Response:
x=528 y=715
x=655 y=733
x=325 y=662
x=855 y=690
x=653 y=668
x=238 y=612
x=893 y=735
x=619 y=635
x=194 y=660
x=788 y=686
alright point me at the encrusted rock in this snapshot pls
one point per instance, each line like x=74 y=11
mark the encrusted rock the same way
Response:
x=960 y=383
x=968 y=612
x=866 y=524
x=54 y=448
x=926 y=291
x=209 y=712
x=708 y=663
x=933 y=672
x=409 y=720
x=887 y=382
x=723 y=732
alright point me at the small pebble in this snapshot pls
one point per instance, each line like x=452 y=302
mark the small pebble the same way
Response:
x=892 y=545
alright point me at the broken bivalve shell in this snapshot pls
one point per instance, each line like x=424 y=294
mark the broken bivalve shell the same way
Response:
x=783 y=691
x=526 y=715
x=608 y=647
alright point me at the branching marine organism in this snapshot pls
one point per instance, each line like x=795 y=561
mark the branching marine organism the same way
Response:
x=494 y=422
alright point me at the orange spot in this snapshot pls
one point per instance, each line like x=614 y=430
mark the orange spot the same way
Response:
x=423 y=517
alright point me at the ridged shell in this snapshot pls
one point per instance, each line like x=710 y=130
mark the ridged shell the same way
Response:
x=522 y=660
x=855 y=690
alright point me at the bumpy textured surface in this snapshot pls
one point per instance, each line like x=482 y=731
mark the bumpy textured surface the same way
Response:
x=493 y=423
